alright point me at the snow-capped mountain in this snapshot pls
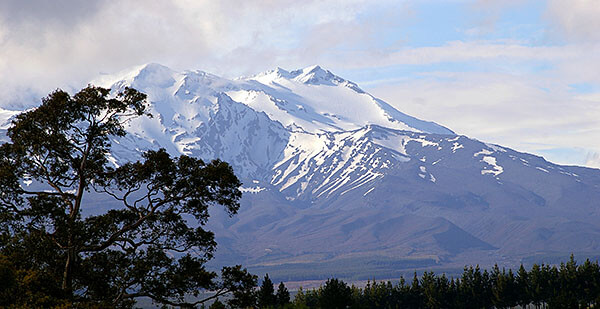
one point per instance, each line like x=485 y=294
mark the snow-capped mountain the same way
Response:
x=332 y=173
x=257 y=123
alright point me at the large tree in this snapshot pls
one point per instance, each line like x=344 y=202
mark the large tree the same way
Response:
x=153 y=244
x=266 y=294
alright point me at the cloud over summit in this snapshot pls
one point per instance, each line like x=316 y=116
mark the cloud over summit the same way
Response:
x=518 y=62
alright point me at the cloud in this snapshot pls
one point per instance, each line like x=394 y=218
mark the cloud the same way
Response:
x=65 y=43
x=496 y=87
x=487 y=14
x=523 y=112
x=575 y=20
x=593 y=159
x=62 y=13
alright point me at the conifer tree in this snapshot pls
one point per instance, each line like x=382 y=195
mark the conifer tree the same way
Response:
x=282 y=296
x=536 y=280
x=523 y=287
x=416 y=299
x=266 y=294
x=336 y=294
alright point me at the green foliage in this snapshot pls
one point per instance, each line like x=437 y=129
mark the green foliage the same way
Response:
x=567 y=286
x=283 y=296
x=153 y=245
x=335 y=294
x=217 y=305
x=266 y=294
x=266 y=297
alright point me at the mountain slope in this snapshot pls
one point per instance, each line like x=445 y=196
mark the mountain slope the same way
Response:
x=332 y=173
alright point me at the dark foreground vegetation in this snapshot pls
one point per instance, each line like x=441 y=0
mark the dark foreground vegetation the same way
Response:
x=566 y=286
x=56 y=249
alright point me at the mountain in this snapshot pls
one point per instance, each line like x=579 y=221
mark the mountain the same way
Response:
x=335 y=176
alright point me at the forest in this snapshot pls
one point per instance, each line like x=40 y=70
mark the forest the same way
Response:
x=567 y=285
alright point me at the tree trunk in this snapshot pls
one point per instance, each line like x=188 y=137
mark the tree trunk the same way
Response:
x=67 y=283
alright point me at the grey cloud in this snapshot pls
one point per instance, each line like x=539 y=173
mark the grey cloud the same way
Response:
x=574 y=20
x=49 y=44
x=15 y=13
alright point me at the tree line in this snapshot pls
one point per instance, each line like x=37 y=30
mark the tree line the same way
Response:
x=565 y=286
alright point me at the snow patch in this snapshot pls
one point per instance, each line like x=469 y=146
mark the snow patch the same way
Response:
x=369 y=191
x=482 y=152
x=456 y=146
x=542 y=169
x=496 y=147
x=251 y=189
x=496 y=169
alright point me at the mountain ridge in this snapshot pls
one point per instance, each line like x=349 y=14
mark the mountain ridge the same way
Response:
x=331 y=172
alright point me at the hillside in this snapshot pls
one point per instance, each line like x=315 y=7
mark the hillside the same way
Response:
x=332 y=173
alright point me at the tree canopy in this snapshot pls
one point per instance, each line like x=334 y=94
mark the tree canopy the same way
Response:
x=152 y=244
x=565 y=286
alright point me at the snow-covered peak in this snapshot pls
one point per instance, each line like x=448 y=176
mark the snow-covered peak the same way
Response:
x=311 y=75
x=154 y=75
x=150 y=74
x=267 y=77
x=311 y=99
x=316 y=100
x=315 y=75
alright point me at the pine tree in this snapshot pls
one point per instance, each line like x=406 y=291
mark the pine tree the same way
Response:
x=431 y=292
x=536 y=280
x=266 y=294
x=336 y=294
x=588 y=277
x=282 y=296
x=416 y=299
x=523 y=287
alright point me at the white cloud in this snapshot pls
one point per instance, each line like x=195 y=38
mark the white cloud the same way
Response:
x=522 y=112
x=593 y=159
x=500 y=97
x=67 y=43
x=575 y=20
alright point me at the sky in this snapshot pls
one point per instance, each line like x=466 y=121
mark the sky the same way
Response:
x=522 y=74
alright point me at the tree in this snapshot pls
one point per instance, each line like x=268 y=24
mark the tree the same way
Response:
x=416 y=299
x=523 y=287
x=335 y=294
x=282 y=295
x=589 y=283
x=217 y=305
x=266 y=294
x=153 y=244
x=431 y=291
x=504 y=290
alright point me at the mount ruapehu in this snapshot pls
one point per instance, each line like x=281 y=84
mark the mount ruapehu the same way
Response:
x=338 y=182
